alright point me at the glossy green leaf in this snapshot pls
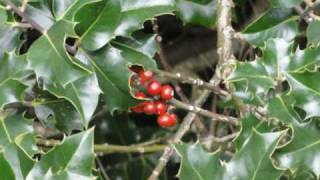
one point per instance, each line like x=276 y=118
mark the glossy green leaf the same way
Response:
x=12 y=68
x=254 y=157
x=59 y=114
x=269 y=19
x=111 y=66
x=50 y=60
x=72 y=158
x=195 y=12
x=252 y=161
x=13 y=131
x=313 y=32
x=5 y=169
x=286 y=30
x=66 y=9
x=82 y=93
x=305 y=175
x=40 y=13
x=9 y=37
x=196 y=163
x=247 y=124
x=305 y=89
x=141 y=42
x=303 y=150
x=101 y=29
x=134 y=13
x=286 y=3
x=254 y=79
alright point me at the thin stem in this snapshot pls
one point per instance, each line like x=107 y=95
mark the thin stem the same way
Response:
x=224 y=41
x=184 y=127
x=309 y=9
x=188 y=80
x=27 y=18
x=203 y=112
x=111 y=148
x=102 y=170
x=108 y=148
x=222 y=139
x=164 y=62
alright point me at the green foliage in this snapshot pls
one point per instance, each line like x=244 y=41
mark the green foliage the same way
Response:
x=252 y=161
x=74 y=63
x=312 y=33
x=197 y=12
x=73 y=158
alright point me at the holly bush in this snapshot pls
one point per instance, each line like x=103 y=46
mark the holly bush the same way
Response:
x=131 y=89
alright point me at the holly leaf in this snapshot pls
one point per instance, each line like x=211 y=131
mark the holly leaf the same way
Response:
x=40 y=12
x=83 y=94
x=5 y=167
x=195 y=12
x=260 y=31
x=247 y=124
x=50 y=60
x=312 y=33
x=59 y=114
x=141 y=42
x=302 y=151
x=94 y=32
x=134 y=13
x=254 y=155
x=12 y=70
x=66 y=10
x=72 y=158
x=268 y=19
x=254 y=79
x=305 y=90
x=111 y=65
x=9 y=37
x=16 y=156
x=287 y=3
x=196 y=163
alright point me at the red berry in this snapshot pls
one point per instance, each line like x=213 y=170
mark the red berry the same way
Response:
x=167 y=92
x=165 y=120
x=154 y=87
x=174 y=116
x=161 y=107
x=138 y=108
x=149 y=108
x=145 y=76
x=140 y=95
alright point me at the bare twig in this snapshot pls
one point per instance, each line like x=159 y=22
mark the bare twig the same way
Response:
x=21 y=14
x=212 y=115
x=184 y=127
x=225 y=54
x=102 y=170
x=22 y=25
x=192 y=81
x=108 y=148
x=163 y=60
x=221 y=139
x=111 y=148
x=308 y=12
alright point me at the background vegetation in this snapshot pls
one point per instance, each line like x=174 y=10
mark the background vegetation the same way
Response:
x=245 y=74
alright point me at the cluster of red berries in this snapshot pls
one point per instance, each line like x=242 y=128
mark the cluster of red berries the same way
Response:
x=158 y=94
